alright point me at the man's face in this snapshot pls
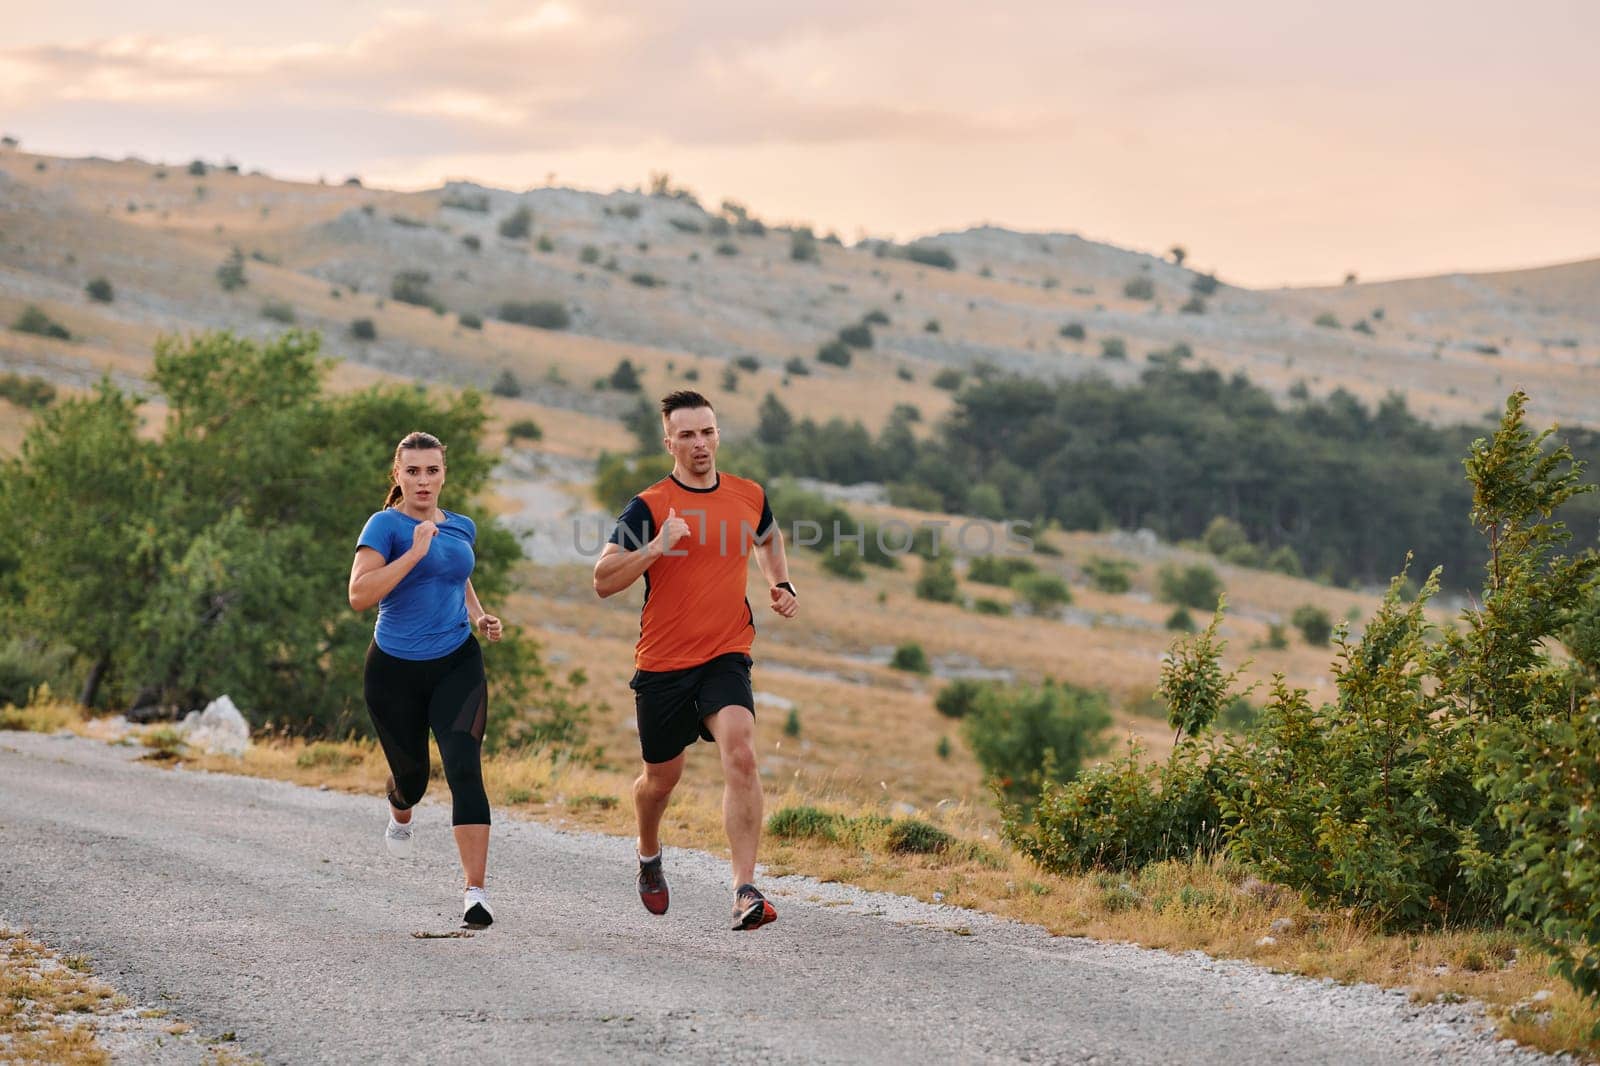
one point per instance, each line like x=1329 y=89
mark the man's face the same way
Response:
x=692 y=439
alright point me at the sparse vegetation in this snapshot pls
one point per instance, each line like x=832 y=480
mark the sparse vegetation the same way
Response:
x=645 y=280
x=28 y=391
x=1139 y=288
x=1327 y=320
x=230 y=275
x=1114 y=349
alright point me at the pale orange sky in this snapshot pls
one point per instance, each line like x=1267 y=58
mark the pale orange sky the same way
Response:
x=1279 y=141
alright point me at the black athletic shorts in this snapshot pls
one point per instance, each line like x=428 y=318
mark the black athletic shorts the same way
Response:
x=671 y=704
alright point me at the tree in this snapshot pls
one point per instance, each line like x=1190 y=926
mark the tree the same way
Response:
x=1179 y=254
x=230 y=275
x=624 y=378
x=775 y=422
x=1313 y=623
x=1025 y=736
x=208 y=562
x=937 y=582
x=517 y=225
x=100 y=290
x=803 y=246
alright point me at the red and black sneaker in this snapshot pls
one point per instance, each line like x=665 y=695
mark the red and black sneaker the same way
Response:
x=653 y=886
x=751 y=909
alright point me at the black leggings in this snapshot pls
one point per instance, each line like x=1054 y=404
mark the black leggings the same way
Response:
x=405 y=697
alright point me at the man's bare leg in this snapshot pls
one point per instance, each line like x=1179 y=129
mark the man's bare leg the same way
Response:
x=651 y=792
x=734 y=728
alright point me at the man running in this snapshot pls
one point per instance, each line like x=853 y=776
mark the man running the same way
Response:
x=690 y=535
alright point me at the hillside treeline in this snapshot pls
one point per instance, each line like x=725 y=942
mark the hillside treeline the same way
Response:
x=1348 y=489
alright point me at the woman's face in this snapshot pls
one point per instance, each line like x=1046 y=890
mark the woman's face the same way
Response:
x=420 y=475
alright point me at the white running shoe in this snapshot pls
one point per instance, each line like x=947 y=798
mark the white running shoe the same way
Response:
x=475 y=909
x=398 y=837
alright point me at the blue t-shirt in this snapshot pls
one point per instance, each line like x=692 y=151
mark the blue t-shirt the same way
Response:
x=425 y=616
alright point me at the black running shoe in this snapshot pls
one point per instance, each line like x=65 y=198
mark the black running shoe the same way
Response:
x=653 y=886
x=751 y=909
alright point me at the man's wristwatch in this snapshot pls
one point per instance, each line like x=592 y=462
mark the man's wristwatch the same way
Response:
x=789 y=587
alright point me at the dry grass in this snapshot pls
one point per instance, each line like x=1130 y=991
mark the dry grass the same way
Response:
x=44 y=714
x=48 y=1005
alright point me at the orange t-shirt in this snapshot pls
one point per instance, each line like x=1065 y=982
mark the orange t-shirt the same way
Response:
x=695 y=607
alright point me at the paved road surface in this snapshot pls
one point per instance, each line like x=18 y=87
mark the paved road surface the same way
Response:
x=272 y=911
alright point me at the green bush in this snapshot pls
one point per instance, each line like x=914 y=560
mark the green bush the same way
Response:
x=1223 y=535
x=802 y=246
x=796 y=367
x=911 y=658
x=100 y=291
x=1203 y=284
x=31 y=391
x=1073 y=331
x=937 y=582
x=1196 y=586
x=645 y=280
x=230 y=275
x=545 y=314
x=1283 y=560
x=517 y=225
x=726 y=248
x=589 y=254
x=27 y=664
x=524 y=429
x=803 y=823
x=1109 y=575
x=791 y=724
x=472 y=242
x=1025 y=735
x=1114 y=349
x=1041 y=594
x=1139 y=288
x=412 y=287
x=1327 y=320
x=1313 y=623
x=1194 y=305
x=999 y=569
x=844 y=563
x=857 y=336
x=624 y=377
x=1181 y=621
x=910 y=836
x=34 y=320
x=506 y=384
x=876 y=317
x=469 y=320
x=986 y=605
x=278 y=311
x=619 y=478
x=834 y=353
x=930 y=255
x=362 y=329
x=959 y=697
x=948 y=379
x=931 y=326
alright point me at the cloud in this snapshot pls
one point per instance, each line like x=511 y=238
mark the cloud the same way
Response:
x=565 y=75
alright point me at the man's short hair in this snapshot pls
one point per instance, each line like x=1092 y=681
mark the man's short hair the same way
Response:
x=683 y=398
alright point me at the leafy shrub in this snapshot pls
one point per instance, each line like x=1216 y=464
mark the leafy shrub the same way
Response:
x=1114 y=349
x=469 y=320
x=844 y=563
x=1073 y=331
x=911 y=658
x=506 y=385
x=462 y=200
x=999 y=569
x=911 y=836
x=362 y=329
x=472 y=242
x=1223 y=535
x=1313 y=623
x=948 y=379
x=1042 y=594
x=834 y=353
x=802 y=246
x=1196 y=586
x=26 y=665
x=930 y=255
x=624 y=377
x=876 y=317
x=730 y=379
x=1025 y=735
x=1277 y=638
x=545 y=244
x=803 y=823
x=1327 y=320
x=959 y=697
x=1108 y=575
x=1139 y=288
x=545 y=314
x=1203 y=284
x=517 y=225
x=937 y=582
x=589 y=254
x=619 y=478
x=524 y=429
x=34 y=320
x=685 y=225
x=1181 y=621
x=278 y=311
x=411 y=287
x=985 y=605
x=1194 y=305
x=645 y=280
x=31 y=392
x=727 y=248
x=100 y=291
x=1283 y=560
x=931 y=326
x=857 y=336
x=197 y=168
x=230 y=275
x=796 y=367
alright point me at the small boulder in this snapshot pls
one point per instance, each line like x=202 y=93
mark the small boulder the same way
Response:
x=219 y=729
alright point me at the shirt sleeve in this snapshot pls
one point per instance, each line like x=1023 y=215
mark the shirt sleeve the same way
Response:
x=764 y=523
x=378 y=534
x=635 y=526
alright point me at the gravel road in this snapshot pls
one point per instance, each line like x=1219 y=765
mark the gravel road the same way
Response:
x=273 y=912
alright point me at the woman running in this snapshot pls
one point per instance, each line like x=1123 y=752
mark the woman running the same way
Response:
x=425 y=668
